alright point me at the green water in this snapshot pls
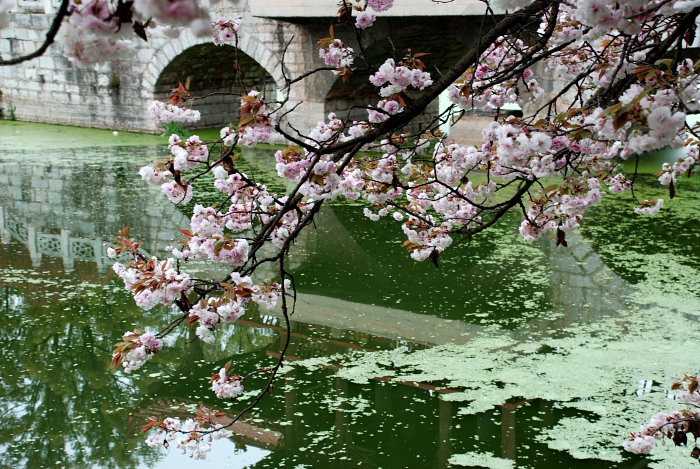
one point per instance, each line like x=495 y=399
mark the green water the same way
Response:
x=511 y=354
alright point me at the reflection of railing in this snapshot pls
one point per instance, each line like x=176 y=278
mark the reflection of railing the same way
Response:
x=63 y=244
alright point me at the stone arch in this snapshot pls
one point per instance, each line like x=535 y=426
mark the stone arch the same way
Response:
x=173 y=60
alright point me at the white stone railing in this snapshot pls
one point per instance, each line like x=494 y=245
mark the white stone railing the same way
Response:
x=37 y=6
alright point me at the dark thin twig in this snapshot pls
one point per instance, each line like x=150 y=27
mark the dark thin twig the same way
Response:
x=63 y=11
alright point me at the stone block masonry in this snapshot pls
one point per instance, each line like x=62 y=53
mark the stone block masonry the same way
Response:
x=116 y=95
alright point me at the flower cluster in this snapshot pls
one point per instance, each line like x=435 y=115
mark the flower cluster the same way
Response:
x=669 y=173
x=649 y=207
x=193 y=437
x=380 y=5
x=93 y=34
x=395 y=78
x=336 y=54
x=165 y=113
x=170 y=11
x=228 y=308
x=226 y=386
x=188 y=154
x=365 y=20
x=226 y=30
x=675 y=425
x=98 y=30
x=136 y=350
x=257 y=124
x=385 y=108
x=481 y=87
x=153 y=282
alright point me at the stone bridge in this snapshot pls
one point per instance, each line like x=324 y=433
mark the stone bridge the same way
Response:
x=279 y=39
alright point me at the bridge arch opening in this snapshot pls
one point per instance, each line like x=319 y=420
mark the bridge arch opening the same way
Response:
x=223 y=70
x=444 y=40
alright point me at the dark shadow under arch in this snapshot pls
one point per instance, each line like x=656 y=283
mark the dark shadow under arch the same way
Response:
x=215 y=69
x=437 y=37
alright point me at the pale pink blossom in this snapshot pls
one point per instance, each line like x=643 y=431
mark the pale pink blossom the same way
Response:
x=226 y=387
x=177 y=193
x=226 y=30
x=337 y=54
x=649 y=207
x=365 y=19
x=165 y=113
x=380 y=5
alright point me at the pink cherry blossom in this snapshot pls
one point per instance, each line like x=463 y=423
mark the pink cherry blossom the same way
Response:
x=365 y=19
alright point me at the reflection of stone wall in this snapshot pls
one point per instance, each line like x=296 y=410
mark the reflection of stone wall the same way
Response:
x=70 y=210
x=582 y=287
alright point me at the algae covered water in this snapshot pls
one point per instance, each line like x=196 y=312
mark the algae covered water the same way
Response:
x=510 y=355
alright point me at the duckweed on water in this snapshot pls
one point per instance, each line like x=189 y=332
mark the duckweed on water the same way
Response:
x=596 y=369
x=487 y=460
x=562 y=335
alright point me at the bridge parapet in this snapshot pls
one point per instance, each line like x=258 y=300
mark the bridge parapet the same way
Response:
x=404 y=8
x=37 y=6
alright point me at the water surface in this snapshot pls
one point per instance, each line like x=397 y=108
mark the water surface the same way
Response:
x=508 y=355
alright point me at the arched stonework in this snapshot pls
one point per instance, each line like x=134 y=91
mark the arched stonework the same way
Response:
x=162 y=51
x=212 y=71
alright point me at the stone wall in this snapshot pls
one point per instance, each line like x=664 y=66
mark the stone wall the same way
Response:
x=116 y=95
x=51 y=89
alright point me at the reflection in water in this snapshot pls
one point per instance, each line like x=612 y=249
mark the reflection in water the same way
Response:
x=62 y=310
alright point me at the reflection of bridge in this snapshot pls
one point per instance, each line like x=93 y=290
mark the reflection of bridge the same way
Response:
x=58 y=211
x=66 y=209
x=244 y=431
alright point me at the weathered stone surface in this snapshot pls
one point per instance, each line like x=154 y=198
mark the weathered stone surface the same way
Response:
x=115 y=95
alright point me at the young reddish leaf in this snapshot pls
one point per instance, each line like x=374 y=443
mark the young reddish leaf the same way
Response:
x=434 y=257
x=620 y=120
x=247 y=120
x=671 y=190
x=561 y=238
